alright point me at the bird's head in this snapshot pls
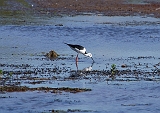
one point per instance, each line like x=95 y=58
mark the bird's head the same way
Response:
x=88 y=54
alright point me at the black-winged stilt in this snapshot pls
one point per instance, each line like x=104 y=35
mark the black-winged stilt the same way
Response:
x=80 y=49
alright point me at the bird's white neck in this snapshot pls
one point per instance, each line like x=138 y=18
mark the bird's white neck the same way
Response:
x=88 y=54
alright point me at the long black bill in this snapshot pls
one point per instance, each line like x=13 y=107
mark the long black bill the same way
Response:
x=92 y=59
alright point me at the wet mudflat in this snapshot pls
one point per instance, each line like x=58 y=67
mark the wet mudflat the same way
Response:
x=125 y=76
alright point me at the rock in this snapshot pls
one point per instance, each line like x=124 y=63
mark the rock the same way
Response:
x=59 y=25
x=124 y=65
x=52 y=54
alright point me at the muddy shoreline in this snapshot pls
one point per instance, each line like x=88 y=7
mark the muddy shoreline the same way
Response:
x=74 y=7
x=105 y=7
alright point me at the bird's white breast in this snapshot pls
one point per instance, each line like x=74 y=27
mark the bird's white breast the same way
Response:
x=80 y=51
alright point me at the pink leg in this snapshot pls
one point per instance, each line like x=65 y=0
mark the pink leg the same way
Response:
x=77 y=61
x=77 y=58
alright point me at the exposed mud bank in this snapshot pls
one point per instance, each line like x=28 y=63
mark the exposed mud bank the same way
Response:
x=106 y=7
x=74 y=7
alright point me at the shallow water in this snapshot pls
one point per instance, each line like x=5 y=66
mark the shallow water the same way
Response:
x=133 y=41
x=112 y=97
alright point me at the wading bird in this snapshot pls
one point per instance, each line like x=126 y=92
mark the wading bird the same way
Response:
x=80 y=49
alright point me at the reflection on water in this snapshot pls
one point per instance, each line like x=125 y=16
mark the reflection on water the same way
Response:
x=88 y=68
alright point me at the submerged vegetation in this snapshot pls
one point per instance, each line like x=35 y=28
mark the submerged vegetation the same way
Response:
x=113 y=69
x=1 y=72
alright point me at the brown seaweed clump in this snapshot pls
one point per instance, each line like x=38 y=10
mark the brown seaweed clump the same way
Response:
x=46 y=89
x=52 y=55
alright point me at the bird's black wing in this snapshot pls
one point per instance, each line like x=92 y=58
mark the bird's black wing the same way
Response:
x=75 y=46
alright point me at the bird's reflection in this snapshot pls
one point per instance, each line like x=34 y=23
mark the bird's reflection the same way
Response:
x=85 y=69
x=88 y=68
x=78 y=73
